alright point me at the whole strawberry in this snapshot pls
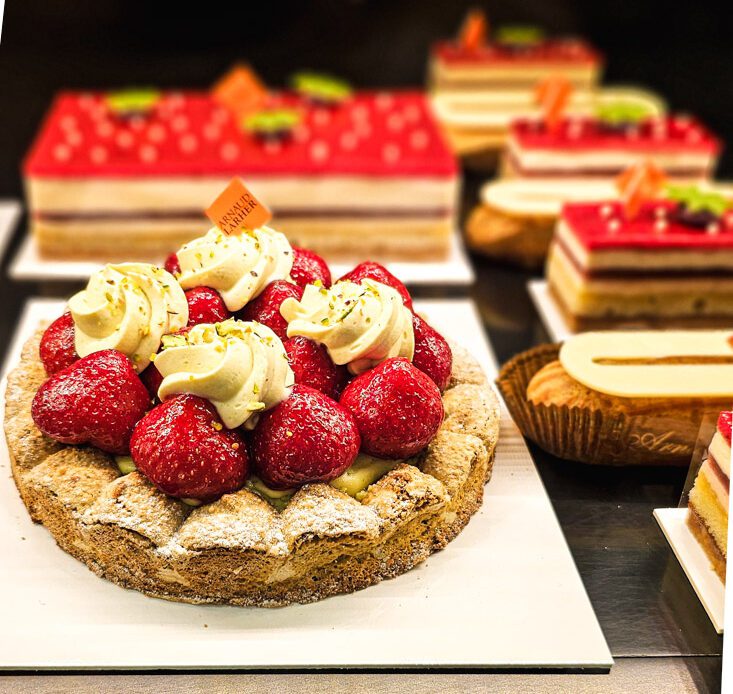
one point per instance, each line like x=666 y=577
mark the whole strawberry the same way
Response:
x=433 y=355
x=205 y=305
x=152 y=378
x=375 y=271
x=172 y=265
x=57 y=349
x=313 y=367
x=307 y=438
x=265 y=308
x=97 y=400
x=308 y=267
x=397 y=408
x=182 y=447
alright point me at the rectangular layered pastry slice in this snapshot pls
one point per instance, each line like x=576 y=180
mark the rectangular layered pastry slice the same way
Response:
x=585 y=146
x=371 y=176
x=709 y=498
x=665 y=266
x=505 y=64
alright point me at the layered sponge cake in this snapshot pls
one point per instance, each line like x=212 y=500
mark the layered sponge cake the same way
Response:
x=668 y=265
x=369 y=175
x=582 y=147
x=709 y=497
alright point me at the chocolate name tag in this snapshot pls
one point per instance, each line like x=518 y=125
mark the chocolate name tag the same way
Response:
x=237 y=209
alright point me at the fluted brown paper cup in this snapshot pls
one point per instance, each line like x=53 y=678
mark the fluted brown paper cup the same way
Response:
x=590 y=435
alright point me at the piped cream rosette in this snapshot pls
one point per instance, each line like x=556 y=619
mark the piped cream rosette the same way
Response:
x=128 y=307
x=360 y=325
x=240 y=367
x=238 y=266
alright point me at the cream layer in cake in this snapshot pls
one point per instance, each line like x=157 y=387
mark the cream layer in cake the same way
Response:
x=473 y=76
x=638 y=296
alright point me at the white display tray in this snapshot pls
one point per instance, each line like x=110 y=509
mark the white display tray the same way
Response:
x=504 y=594
x=9 y=213
x=550 y=314
x=28 y=265
x=695 y=563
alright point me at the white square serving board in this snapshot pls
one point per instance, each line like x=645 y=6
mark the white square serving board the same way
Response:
x=504 y=594
x=695 y=563
x=550 y=313
x=455 y=270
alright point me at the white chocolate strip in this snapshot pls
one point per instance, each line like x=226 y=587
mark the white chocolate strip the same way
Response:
x=582 y=356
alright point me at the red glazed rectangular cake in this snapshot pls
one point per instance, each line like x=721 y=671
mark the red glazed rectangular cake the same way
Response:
x=665 y=265
x=581 y=147
x=369 y=176
x=501 y=64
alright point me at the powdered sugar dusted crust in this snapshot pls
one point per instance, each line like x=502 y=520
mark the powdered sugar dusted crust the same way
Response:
x=240 y=550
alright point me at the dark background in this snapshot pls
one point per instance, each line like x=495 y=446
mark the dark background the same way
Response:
x=645 y=604
x=681 y=50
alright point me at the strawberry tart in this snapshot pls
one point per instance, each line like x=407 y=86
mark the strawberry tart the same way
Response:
x=602 y=147
x=344 y=173
x=240 y=429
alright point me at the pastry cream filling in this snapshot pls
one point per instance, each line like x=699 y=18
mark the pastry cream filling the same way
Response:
x=128 y=307
x=238 y=266
x=360 y=325
x=240 y=367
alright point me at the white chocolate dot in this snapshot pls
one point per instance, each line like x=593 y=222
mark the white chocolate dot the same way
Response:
x=419 y=139
x=391 y=153
x=156 y=133
x=273 y=146
x=606 y=211
x=137 y=123
x=395 y=122
x=322 y=116
x=179 y=123
x=349 y=141
x=220 y=116
x=660 y=212
x=211 y=132
x=98 y=154
x=319 y=151
x=713 y=228
x=62 y=152
x=68 y=123
x=86 y=101
x=148 y=153
x=188 y=143
x=614 y=225
x=73 y=138
x=360 y=112
x=411 y=113
x=105 y=129
x=661 y=225
x=124 y=139
x=363 y=129
x=229 y=151
x=384 y=101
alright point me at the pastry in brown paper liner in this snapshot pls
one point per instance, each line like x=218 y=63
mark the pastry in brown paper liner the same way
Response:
x=610 y=435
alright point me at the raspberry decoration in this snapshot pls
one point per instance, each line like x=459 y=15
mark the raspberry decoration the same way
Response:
x=307 y=438
x=313 y=367
x=57 y=349
x=397 y=408
x=433 y=355
x=379 y=273
x=96 y=400
x=205 y=305
x=309 y=267
x=172 y=265
x=265 y=308
x=182 y=447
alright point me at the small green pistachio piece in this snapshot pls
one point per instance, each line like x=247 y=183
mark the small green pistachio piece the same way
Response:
x=364 y=472
x=125 y=463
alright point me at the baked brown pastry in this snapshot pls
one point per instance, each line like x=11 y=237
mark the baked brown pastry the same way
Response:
x=240 y=550
x=574 y=421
